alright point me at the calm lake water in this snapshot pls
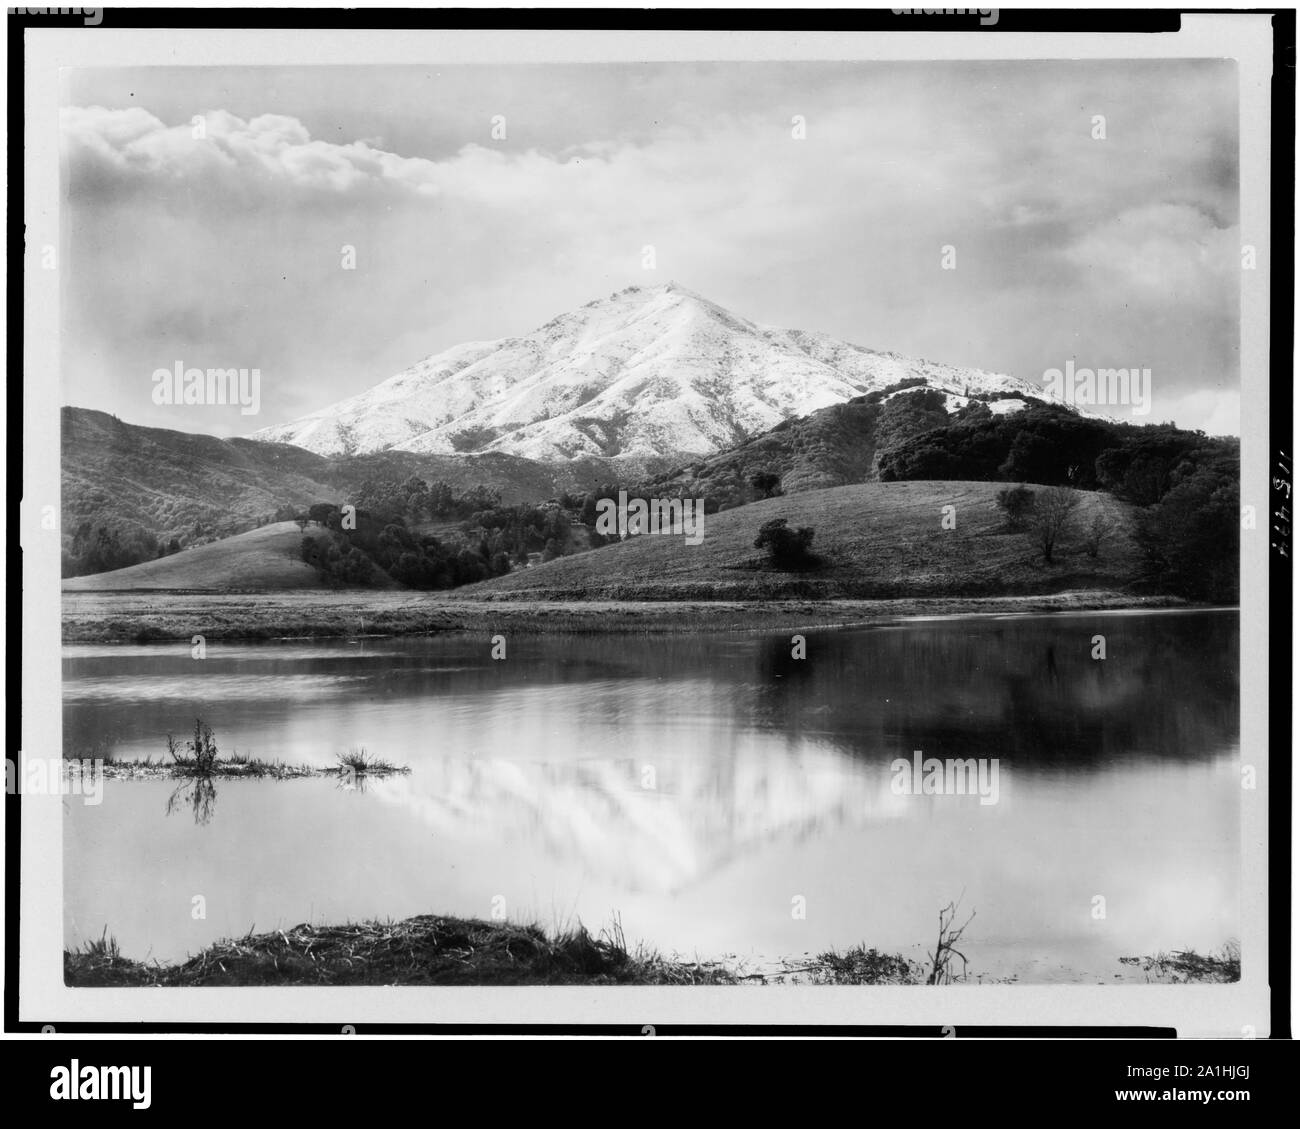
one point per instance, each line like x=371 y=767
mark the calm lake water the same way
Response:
x=693 y=786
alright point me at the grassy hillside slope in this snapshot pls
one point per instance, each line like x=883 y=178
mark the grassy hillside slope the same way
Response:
x=165 y=481
x=876 y=541
x=267 y=559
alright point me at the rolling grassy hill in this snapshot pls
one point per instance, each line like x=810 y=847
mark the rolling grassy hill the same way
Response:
x=268 y=559
x=876 y=541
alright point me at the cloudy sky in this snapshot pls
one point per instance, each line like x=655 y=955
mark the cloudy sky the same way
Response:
x=225 y=250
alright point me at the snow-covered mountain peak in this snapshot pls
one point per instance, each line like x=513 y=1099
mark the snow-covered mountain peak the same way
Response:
x=655 y=370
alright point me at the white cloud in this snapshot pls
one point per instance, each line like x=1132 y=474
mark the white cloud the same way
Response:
x=228 y=245
x=1166 y=250
x=1214 y=411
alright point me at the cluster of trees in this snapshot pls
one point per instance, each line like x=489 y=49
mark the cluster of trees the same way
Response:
x=585 y=504
x=363 y=549
x=103 y=548
x=520 y=530
x=1039 y=444
x=1185 y=483
x=1189 y=539
x=1052 y=446
x=416 y=500
x=513 y=530
x=908 y=415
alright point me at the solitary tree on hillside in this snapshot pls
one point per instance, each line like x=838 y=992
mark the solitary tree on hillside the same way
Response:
x=1099 y=527
x=1017 y=502
x=766 y=483
x=786 y=548
x=1052 y=512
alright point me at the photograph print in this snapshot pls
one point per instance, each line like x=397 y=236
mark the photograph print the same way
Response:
x=683 y=523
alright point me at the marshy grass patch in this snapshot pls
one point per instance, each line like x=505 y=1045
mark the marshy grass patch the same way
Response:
x=200 y=758
x=100 y=962
x=416 y=951
x=358 y=762
x=1186 y=966
x=862 y=965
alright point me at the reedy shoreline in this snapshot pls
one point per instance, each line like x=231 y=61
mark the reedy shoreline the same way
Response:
x=433 y=950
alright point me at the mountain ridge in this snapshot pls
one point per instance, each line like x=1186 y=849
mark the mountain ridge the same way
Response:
x=169 y=483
